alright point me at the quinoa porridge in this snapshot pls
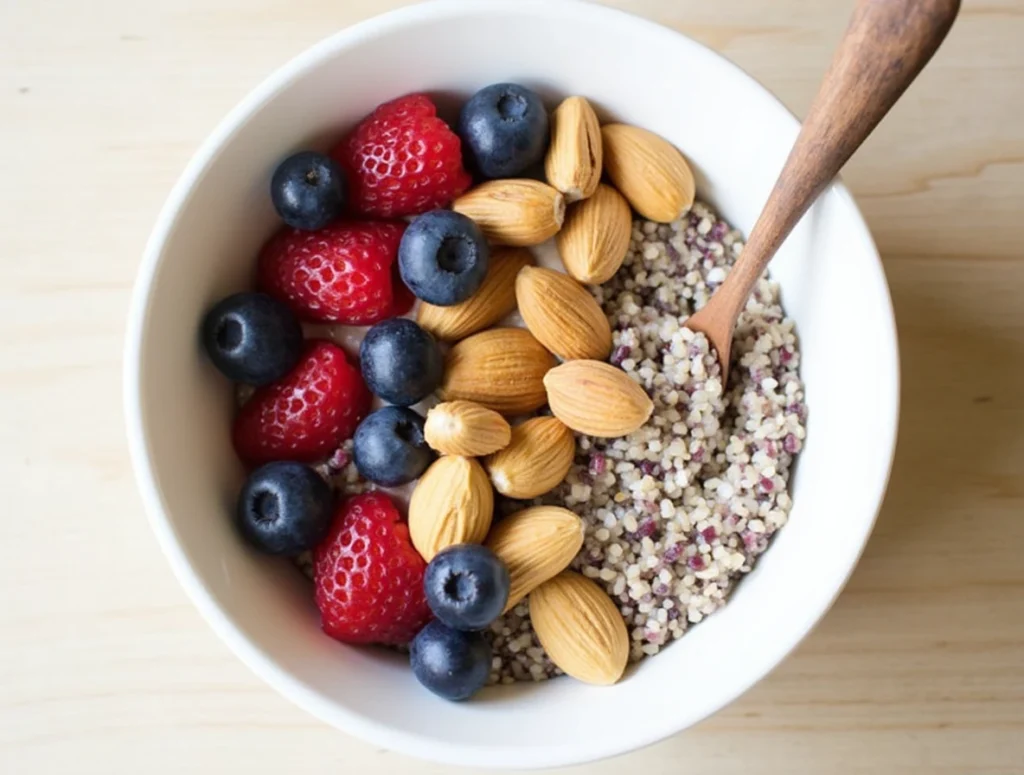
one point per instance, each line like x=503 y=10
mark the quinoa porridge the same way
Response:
x=677 y=512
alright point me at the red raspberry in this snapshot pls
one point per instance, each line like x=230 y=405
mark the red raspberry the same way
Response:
x=402 y=160
x=346 y=272
x=305 y=415
x=368 y=576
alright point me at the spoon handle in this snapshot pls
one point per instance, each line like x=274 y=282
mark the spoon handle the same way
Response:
x=886 y=45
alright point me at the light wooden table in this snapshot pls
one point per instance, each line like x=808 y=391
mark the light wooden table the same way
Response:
x=106 y=668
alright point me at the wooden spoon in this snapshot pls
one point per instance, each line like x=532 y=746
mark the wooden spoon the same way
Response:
x=886 y=45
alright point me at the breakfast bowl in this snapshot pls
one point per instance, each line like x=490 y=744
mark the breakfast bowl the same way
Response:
x=736 y=136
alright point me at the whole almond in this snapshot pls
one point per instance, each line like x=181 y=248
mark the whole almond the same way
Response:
x=502 y=369
x=493 y=300
x=535 y=460
x=535 y=544
x=597 y=398
x=465 y=428
x=649 y=171
x=580 y=628
x=514 y=212
x=595 y=237
x=452 y=504
x=562 y=314
x=573 y=163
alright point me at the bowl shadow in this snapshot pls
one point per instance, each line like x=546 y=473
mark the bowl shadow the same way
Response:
x=958 y=418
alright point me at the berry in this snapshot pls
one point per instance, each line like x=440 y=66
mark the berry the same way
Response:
x=505 y=128
x=308 y=190
x=401 y=362
x=252 y=338
x=467 y=586
x=344 y=273
x=368 y=576
x=402 y=160
x=284 y=508
x=443 y=257
x=451 y=663
x=307 y=414
x=389 y=447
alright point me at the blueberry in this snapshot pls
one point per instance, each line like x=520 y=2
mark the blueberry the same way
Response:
x=505 y=128
x=443 y=257
x=308 y=190
x=284 y=508
x=401 y=362
x=467 y=586
x=389 y=448
x=452 y=664
x=252 y=338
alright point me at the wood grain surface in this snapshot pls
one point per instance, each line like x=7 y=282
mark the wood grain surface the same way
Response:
x=106 y=668
x=882 y=51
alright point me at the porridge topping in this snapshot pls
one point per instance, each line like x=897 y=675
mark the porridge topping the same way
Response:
x=452 y=504
x=467 y=429
x=495 y=299
x=514 y=212
x=596 y=398
x=574 y=161
x=502 y=369
x=595 y=237
x=562 y=314
x=649 y=171
x=536 y=459
x=580 y=627
x=535 y=544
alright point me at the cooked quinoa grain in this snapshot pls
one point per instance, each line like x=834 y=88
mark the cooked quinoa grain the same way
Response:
x=678 y=511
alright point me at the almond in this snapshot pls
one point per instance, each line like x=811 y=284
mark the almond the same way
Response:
x=649 y=171
x=493 y=300
x=502 y=369
x=573 y=163
x=514 y=212
x=597 y=399
x=465 y=428
x=452 y=504
x=562 y=314
x=535 y=544
x=536 y=459
x=580 y=628
x=595 y=238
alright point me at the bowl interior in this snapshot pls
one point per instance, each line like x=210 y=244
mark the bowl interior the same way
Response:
x=736 y=136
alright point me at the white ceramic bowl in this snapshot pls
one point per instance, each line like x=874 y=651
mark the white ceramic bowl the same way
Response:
x=736 y=136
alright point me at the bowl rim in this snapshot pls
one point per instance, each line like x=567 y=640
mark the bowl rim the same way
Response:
x=155 y=505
